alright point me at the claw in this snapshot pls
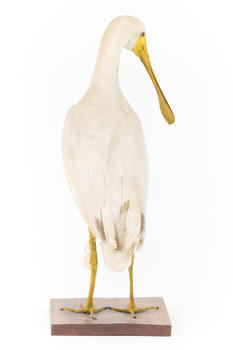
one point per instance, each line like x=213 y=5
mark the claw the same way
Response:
x=89 y=310
x=92 y=315
x=132 y=309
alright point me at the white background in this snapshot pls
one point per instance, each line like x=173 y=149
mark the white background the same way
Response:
x=48 y=54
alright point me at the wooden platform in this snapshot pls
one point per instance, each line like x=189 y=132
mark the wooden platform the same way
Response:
x=109 y=322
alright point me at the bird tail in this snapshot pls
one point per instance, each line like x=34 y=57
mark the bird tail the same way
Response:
x=123 y=226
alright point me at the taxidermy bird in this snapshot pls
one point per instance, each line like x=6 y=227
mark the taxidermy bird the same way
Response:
x=105 y=158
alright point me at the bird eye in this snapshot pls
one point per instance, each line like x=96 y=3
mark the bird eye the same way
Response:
x=142 y=34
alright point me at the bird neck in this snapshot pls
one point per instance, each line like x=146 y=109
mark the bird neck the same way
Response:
x=107 y=63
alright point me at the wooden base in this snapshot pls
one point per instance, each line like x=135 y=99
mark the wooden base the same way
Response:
x=109 y=322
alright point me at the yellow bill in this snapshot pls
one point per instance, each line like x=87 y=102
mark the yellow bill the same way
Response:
x=140 y=50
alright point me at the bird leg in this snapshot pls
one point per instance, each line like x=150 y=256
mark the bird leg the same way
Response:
x=89 y=308
x=132 y=309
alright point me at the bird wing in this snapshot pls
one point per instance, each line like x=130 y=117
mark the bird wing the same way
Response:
x=106 y=168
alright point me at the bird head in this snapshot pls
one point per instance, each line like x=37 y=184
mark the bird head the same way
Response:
x=135 y=40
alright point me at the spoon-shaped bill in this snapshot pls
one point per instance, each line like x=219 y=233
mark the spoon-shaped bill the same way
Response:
x=140 y=50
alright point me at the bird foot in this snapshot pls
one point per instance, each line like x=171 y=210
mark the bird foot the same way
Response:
x=132 y=309
x=88 y=309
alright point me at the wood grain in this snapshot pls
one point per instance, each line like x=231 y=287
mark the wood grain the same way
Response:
x=109 y=322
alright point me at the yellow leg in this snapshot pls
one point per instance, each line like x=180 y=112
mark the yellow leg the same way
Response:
x=89 y=308
x=132 y=309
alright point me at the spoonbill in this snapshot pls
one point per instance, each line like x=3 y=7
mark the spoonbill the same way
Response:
x=105 y=158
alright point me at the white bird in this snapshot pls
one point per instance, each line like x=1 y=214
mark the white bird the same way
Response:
x=105 y=157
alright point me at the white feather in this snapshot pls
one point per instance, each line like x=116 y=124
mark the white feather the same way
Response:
x=104 y=153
